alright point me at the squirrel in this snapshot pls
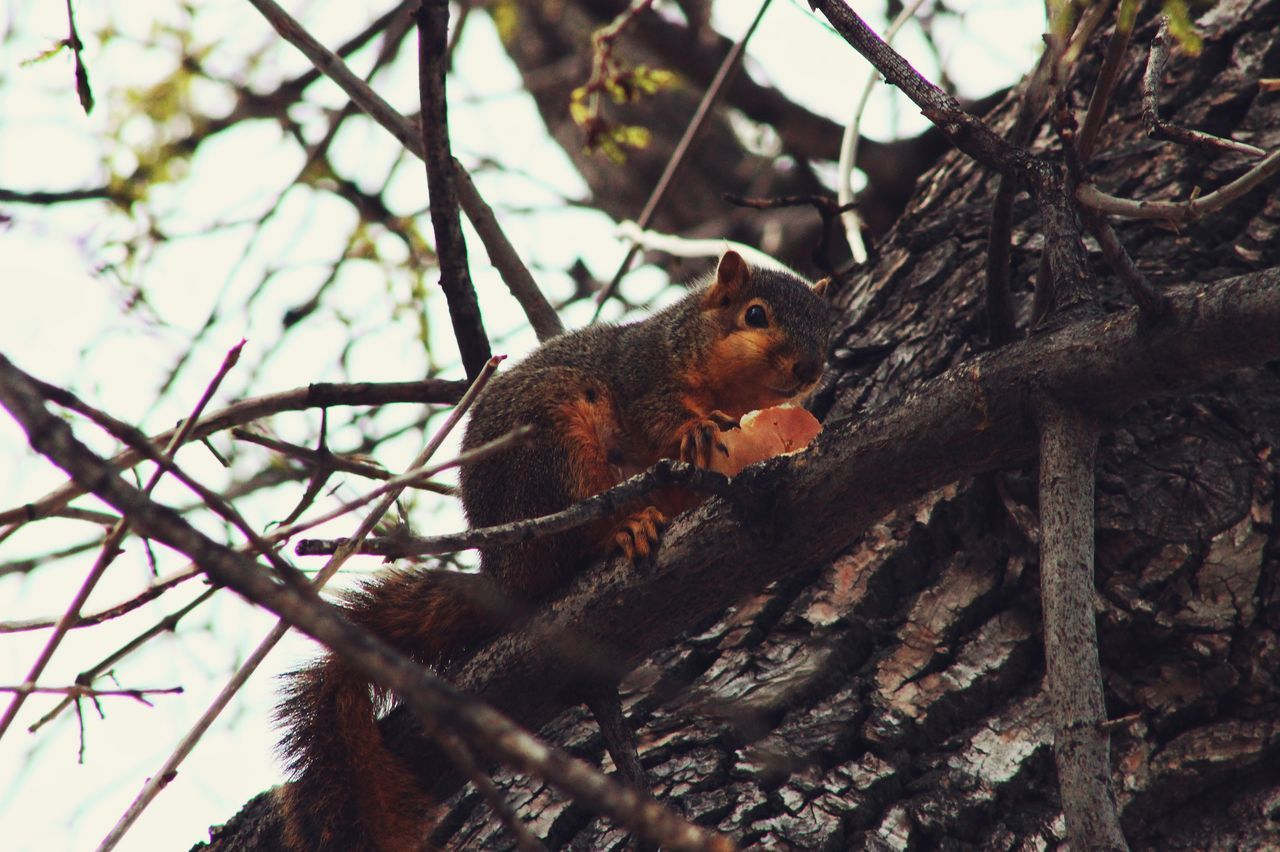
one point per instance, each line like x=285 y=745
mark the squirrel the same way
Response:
x=604 y=403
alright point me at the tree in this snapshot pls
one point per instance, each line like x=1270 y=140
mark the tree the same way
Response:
x=877 y=678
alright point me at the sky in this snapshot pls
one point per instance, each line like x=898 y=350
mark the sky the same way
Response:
x=72 y=317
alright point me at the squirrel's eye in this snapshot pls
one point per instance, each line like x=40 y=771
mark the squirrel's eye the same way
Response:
x=756 y=317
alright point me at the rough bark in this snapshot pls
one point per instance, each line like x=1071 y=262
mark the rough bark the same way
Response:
x=893 y=697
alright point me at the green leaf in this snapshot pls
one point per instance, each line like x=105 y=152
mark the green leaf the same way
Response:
x=1181 y=27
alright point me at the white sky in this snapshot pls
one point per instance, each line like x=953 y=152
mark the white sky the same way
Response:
x=64 y=318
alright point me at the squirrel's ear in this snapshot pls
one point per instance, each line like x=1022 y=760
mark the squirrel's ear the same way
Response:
x=731 y=274
x=820 y=288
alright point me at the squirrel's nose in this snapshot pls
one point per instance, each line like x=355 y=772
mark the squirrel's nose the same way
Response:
x=808 y=370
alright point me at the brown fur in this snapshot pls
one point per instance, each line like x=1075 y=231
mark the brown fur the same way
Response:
x=603 y=403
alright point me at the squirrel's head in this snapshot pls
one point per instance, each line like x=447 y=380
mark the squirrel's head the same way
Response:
x=774 y=330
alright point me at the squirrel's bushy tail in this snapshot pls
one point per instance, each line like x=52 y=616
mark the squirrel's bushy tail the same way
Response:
x=350 y=792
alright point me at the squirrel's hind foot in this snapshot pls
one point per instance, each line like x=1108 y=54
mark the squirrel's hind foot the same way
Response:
x=637 y=536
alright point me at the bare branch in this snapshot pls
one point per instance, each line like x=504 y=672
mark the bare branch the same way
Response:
x=215 y=502
x=373 y=105
x=147 y=596
x=1001 y=327
x=111 y=546
x=828 y=210
x=1157 y=127
x=465 y=761
x=396 y=484
x=1068 y=446
x=77 y=692
x=852 y=138
x=451 y=248
x=1152 y=303
x=1148 y=299
x=1180 y=211
x=1071 y=278
x=319 y=395
x=325 y=459
x=165 y=625
x=83 y=90
x=13 y=196
x=1100 y=100
x=665 y=473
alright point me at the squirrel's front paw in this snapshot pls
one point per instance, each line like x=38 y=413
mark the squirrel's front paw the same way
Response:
x=700 y=442
x=637 y=535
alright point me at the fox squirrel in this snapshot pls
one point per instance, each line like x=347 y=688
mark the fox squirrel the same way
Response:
x=604 y=402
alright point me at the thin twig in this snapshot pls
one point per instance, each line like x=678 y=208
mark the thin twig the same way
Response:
x=1180 y=211
x=30 y=563
x=723 y=75
x=828 y=209
x=77 y=692
x=1068 y=446
x=396 y=484
x=849 y=143
x=124 y=608
x=1108 y=74
x=83 y=90
x=1064 y=250
x=1157 y=127
x=161 y=777
x=319 y=395
x=110 y=547
x=1001 y=326
x=1152 y=303
x=665 y=473
x=373 y=105
x=165 y=625
x=47 y=197
x=169 y=623
x=131 y=437
x=332 y=461
x=451 y=248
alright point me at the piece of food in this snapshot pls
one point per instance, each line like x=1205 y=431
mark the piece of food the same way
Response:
x=763 y=434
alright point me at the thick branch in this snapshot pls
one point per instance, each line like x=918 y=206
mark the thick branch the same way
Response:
x=973 y=418
x=1068 y=448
